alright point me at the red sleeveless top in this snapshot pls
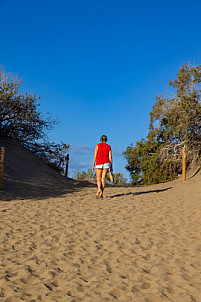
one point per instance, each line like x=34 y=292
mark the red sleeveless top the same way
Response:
x=103 y=154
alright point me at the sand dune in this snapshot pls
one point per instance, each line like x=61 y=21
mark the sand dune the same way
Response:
x=28 y=177
x=138 y=244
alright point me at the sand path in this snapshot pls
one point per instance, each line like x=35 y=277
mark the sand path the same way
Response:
x=138 y=244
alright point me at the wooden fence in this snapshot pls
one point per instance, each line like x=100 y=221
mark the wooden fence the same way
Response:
x=2 y=162
x=184 y=164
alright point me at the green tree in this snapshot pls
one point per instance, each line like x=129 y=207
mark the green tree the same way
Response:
x=174 y=122
x=176 y=116
x=19 y=115
x=21 y=120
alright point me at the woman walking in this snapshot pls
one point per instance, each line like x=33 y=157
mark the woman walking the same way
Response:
x=103 y=159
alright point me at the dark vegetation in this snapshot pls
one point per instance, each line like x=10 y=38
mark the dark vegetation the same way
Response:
x=175 y=122
x=21 y=120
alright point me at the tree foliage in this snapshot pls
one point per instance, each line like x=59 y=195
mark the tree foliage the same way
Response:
x=119 y=179
x=81 y=175
x=90 y=175
x=175 y=121
x=21 y=120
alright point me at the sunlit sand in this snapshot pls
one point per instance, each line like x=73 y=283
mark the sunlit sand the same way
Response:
x=137 y=244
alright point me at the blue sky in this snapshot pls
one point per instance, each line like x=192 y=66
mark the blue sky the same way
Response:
x=98 y=65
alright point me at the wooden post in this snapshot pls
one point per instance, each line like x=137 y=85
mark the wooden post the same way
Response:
x=184 y=164
x=2 y=161
x=67 y=160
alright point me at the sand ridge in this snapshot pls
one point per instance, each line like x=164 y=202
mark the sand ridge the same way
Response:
x=137 y=244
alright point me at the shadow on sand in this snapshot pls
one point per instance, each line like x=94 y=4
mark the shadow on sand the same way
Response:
x=20 y=189
x=139 y=193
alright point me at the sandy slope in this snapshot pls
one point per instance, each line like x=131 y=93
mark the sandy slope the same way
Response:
x=137 y=244
x=28 y=177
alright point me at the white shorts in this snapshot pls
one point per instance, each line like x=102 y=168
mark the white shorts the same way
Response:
x=103 y=166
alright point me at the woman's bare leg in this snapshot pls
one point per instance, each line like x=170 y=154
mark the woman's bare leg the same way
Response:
x=104 y=174
x=99 y=181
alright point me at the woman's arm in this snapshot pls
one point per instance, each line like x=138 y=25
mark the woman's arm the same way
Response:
x=110 y=158
x=95 y=155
